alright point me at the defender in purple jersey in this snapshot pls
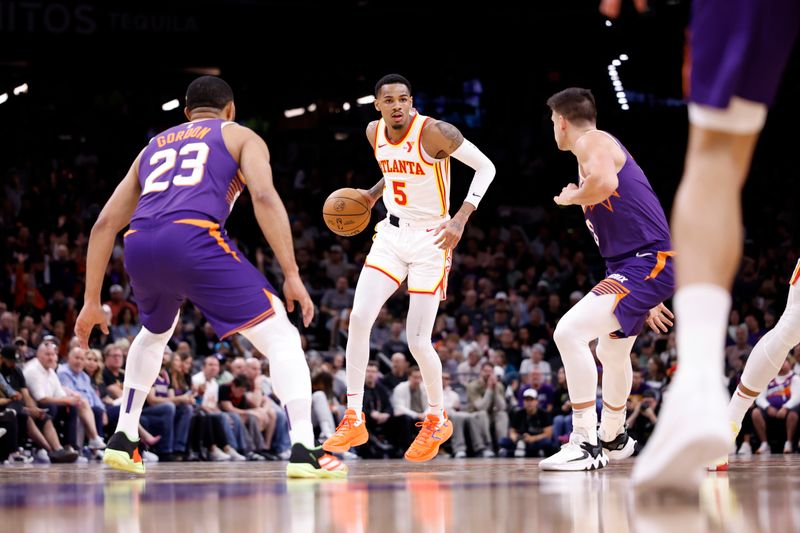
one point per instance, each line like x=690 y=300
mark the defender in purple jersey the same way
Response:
x=739 y=50
x=628 y=224
x=176 y=197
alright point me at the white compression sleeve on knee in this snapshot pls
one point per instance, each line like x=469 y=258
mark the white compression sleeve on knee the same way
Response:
x=470 y=155
x=771 y=350
x=615 y=355
x=279 y=340
x=145 y=357
x=372 y=291
x=421 y=317
x=590 y=318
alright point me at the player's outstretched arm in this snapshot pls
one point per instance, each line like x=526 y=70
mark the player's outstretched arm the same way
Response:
x=443 y=140
x=115 y=215
x=273 y=219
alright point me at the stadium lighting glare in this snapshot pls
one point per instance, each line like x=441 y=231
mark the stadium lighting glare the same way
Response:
x=3 y=98
x=169 y=106
x=346 y=106
x=616 y=62
x=364 y=100
x=311 y=108
x=608 y=24
x=294 y=112
x=623 y=57
x=625 y=107
x=21 y=89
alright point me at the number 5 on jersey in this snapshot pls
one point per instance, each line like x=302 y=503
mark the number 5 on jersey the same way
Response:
x=399 y=194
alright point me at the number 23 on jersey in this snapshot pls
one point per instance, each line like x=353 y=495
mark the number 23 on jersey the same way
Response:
x=192 y=157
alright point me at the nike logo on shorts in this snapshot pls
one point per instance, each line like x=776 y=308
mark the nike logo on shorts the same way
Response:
x=381 y=145
x=643 y=255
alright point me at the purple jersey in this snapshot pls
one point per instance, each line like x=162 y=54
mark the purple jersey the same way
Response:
x=184 y=169
x=740 y=48
x=631 y=219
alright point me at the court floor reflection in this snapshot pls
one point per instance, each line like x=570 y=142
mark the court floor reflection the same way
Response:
x=392 y=496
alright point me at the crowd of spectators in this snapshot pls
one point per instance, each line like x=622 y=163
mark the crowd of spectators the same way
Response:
x=517 y=270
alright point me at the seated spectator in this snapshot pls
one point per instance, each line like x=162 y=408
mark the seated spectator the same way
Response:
x=74 y=379
x=158 y=414
x=410 y=401
x=487 y=394
x=531 y=430
x=324 y=405
x=277 y=439
x=32 y=421
x=642 y=419
x=740 y=348
x=535 y=380
x=656 y=373
x=477 y=422
x=562 y=409
x=384 y=428
x=397 y=341
x=470 y=369
x=46 y=389
x=228 y=445
x=776 y=406
x=537 y=362
x=118 y=302
x=127 y=328
x=399 y=372
x=233 y=399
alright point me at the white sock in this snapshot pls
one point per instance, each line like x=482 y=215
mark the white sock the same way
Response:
x=702 y=311
x=355 y=401
x=612 y=423
x=130 y=411
x=300 y=427
x=738 y=406
x=584 y=422
x=437 y=411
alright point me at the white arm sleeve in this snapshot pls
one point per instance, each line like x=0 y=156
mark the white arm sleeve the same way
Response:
x=470 y=155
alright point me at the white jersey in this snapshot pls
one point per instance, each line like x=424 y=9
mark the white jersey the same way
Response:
x=417 y=186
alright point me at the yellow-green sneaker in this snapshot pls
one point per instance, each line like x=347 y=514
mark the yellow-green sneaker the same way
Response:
x=314 y=463
x=123 y=454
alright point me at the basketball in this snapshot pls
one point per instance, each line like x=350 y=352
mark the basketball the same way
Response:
x=346 y=212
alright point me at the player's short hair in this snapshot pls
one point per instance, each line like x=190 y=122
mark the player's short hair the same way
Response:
x=208 y=91
x=574 y=104
x=390 y=79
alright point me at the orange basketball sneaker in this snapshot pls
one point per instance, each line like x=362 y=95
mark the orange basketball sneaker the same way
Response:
x=430 y=437
x=350 y=432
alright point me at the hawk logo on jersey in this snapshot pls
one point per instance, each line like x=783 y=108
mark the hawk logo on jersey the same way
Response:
x=410 y=146
x=606 y=203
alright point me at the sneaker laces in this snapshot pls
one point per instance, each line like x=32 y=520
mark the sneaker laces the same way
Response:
x=345 y=425
x=428 y=428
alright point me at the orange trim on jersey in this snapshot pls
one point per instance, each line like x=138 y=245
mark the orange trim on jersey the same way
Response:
x=610 y=286
x=250 y=323
x=795 y=275
x=379 y=269
x=213 y=230
x=129 y=232
x=661 y=262
x=241 y=177
x=440 y=185
x=442 y=284
x=419 y=145
x=401 y=141
x=447 y=170
x=377 y=132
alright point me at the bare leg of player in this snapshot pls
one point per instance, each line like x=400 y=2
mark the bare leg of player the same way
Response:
x=707 y=231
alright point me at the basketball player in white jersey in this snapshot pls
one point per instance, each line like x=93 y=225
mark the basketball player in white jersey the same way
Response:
x=415 y=242
x=765 y=361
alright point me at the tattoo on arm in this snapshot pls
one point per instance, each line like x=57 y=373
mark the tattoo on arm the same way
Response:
x=377 y=190
x=453 y=138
